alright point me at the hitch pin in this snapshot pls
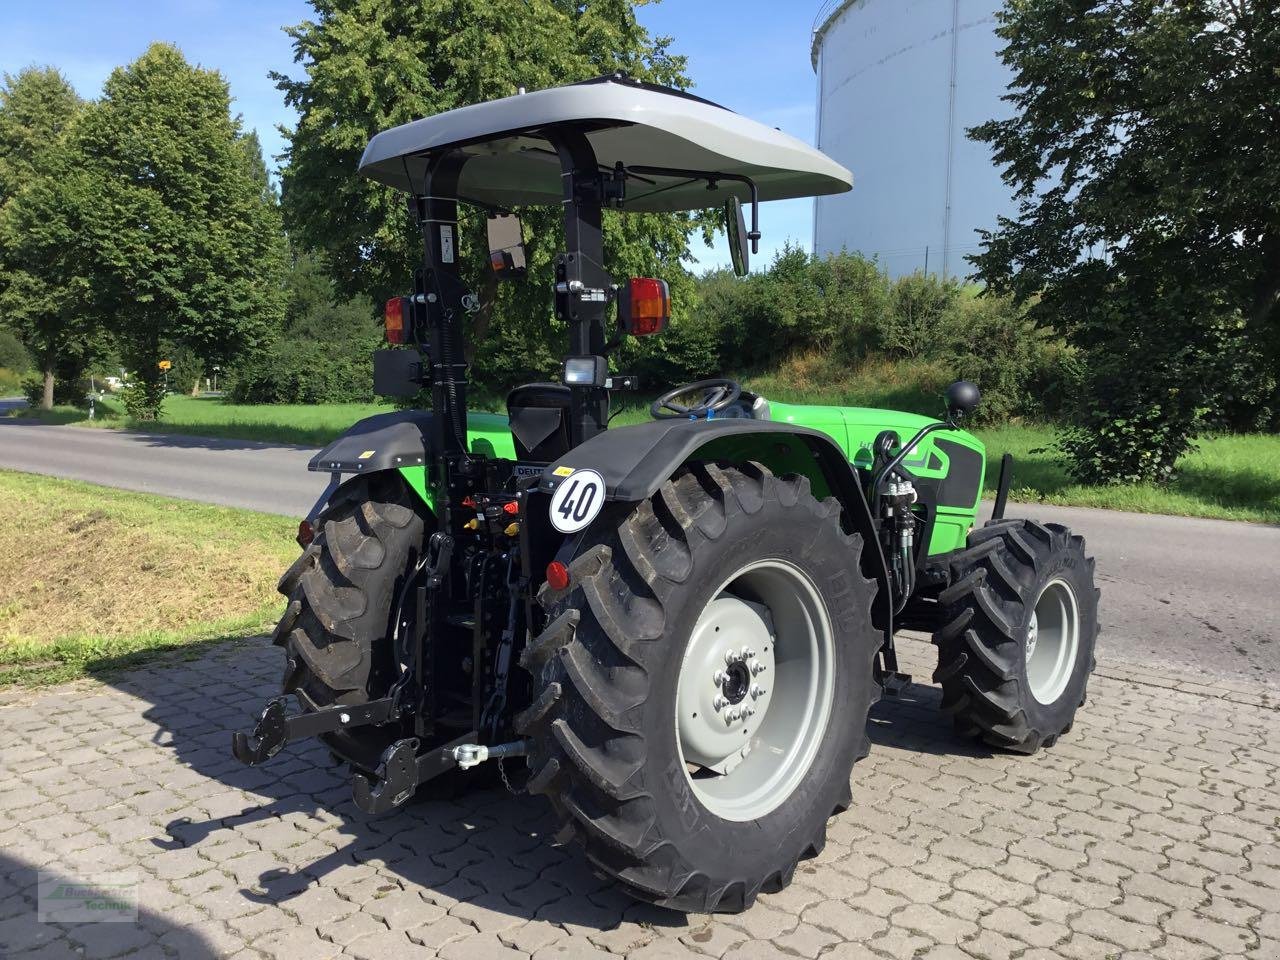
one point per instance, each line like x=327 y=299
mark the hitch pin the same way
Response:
x=470 y=755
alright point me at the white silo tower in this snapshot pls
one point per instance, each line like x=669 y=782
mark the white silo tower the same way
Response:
x=899 y=81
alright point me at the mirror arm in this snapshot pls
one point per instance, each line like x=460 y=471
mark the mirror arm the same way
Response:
x=711 y=178
x=887 y=470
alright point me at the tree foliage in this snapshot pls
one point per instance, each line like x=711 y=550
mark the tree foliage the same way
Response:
x=42 y=286
x=324 y=352
x=184 y=244
x=1142 y=156
x=369 y=65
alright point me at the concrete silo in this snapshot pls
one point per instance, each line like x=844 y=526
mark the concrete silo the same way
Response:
x=898 y=83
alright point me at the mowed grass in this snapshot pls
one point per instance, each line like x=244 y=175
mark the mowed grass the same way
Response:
x=1234 y=477
x=93 y=578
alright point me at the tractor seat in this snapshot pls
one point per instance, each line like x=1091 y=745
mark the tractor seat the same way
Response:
x=539 y=415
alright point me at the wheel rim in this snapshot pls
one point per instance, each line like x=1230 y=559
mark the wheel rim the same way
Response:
x=1053 y=638
x=755 y=690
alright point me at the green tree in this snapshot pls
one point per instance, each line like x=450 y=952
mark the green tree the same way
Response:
x=369 y=65
x=43 y=287
x=185 y=241
x=1142 y=153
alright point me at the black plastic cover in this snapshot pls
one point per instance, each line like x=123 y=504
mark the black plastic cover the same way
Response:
x=386 y=441
x=397 y=373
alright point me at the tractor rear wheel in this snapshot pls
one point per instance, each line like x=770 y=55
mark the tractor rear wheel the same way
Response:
x=342 y=594
x=1020 y=624
x=702 y=687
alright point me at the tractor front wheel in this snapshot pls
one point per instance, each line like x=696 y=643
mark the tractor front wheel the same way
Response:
x=702 y=687
x=1020 y=622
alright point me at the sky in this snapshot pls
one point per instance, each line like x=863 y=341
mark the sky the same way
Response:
x=749 y=55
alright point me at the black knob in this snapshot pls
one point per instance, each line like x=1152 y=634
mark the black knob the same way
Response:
x=963 y=398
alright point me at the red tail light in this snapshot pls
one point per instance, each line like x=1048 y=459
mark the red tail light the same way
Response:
x=396 y=319
x=644 y=306
x=306 y=533
x=557 y=575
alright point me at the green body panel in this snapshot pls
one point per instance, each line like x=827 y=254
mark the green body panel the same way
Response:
x=855 y=429
x=852 y=428
x=487 y=433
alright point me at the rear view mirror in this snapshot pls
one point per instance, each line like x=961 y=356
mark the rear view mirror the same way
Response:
x=506 y=246
x=735 y=227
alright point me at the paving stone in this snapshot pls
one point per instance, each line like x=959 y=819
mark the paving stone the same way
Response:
x=1149 y=832
x=387 y=945
x=487 y=946
x=1221 y=936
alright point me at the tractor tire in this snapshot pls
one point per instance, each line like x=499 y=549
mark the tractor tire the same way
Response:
x=342 y=592
x=619 y=689
x=1020 y=623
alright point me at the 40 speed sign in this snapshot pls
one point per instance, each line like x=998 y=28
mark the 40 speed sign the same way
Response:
x=577 y=500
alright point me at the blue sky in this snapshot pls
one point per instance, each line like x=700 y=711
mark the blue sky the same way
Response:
x=750 y=55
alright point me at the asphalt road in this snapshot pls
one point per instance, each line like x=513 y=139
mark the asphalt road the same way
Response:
x=1185 y=593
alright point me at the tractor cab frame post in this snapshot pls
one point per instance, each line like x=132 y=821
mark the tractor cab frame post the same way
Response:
x=440 y=292
x=583 y=286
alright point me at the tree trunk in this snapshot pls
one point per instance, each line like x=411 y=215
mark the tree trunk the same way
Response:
x=46 y=399
x=195 y=388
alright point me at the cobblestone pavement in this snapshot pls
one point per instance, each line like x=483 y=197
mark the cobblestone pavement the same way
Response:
x=1152 y=830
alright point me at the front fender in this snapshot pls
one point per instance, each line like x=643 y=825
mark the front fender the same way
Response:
x=636 y=460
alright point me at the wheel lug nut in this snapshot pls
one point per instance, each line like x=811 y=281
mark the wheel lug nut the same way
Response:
x=718 y=677
x=729 y=656
x=718 y=702
x=751 y=711
x=748 y=653
x=757 y=668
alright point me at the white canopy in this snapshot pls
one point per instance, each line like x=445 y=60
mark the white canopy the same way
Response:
x=512 y=164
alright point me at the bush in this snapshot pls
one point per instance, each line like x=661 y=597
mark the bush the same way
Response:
x=304 y=372
x=13 y=355
x=920 y=318
x=69 y=391
x=847 y=311
x=1022 y=371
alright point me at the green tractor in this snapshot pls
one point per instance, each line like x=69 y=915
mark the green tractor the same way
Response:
x=678 y=626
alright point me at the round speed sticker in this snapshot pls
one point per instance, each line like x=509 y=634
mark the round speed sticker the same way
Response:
x=577 y=500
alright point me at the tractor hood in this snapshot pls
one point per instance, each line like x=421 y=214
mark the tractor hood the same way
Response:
x=510 y=163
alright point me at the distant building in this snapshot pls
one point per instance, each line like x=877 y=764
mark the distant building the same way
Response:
x=899 y=81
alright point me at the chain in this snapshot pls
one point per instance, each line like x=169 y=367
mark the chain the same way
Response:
x=502 y=772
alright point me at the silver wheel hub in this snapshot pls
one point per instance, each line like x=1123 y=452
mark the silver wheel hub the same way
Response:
x=1053 y=641
x=725 y=682
x=756 y=690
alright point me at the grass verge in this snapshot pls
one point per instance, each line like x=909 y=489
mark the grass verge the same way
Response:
x=92 y=577
x=304 y=424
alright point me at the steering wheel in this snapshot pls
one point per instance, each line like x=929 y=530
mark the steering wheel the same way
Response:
x=720 y=394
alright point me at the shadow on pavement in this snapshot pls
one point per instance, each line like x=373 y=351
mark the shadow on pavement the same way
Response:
x=23 y=933
x=914 y=721
x=292 y=826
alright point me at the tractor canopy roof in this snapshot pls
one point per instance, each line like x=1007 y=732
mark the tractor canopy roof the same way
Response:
x=511 y=163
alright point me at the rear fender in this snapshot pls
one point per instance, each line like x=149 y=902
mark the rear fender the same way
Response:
x=400 y=440
x=636 y=460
